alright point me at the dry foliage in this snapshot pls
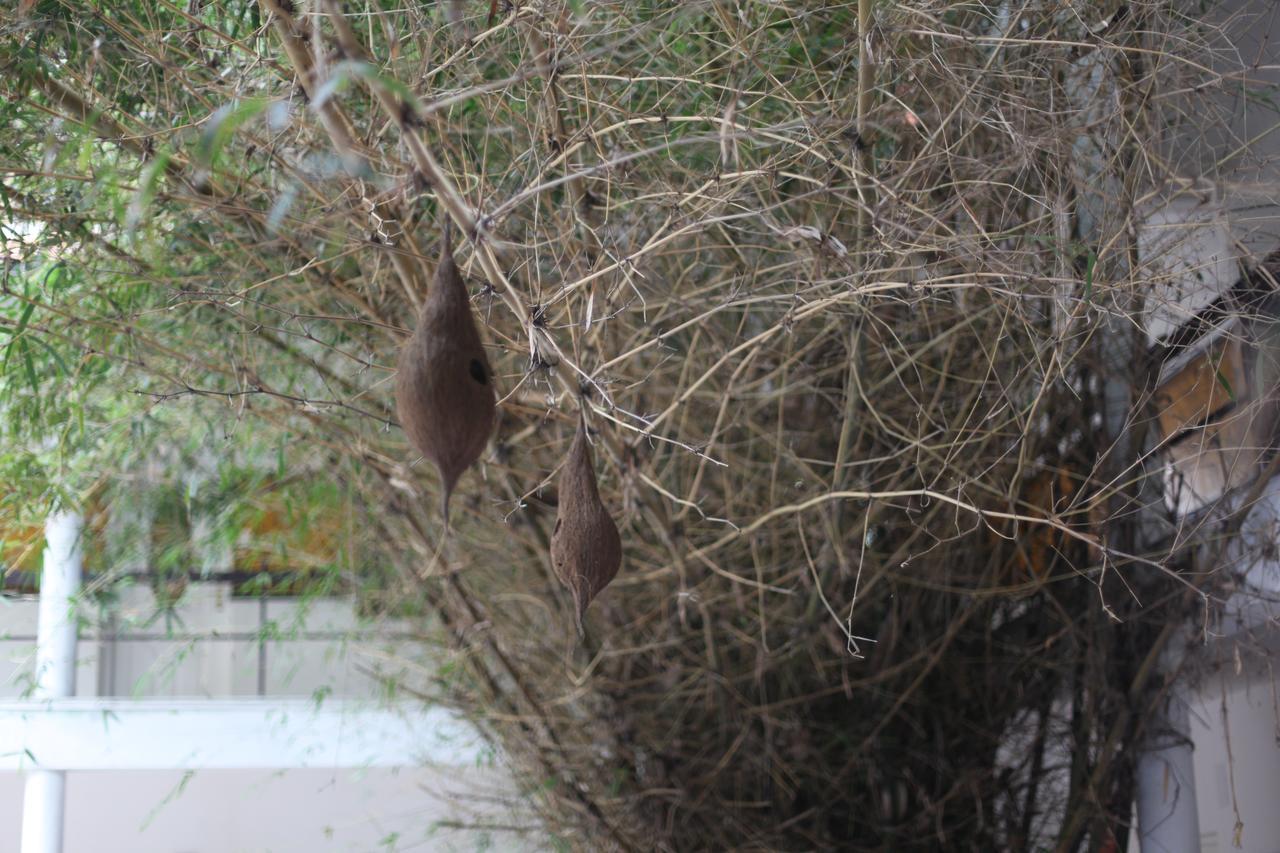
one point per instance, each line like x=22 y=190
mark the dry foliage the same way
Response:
x=821 y=275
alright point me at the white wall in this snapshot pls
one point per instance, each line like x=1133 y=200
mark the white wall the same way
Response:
x=323 y=648
x=252 y=811
x=1252 y=719
x=215 y=651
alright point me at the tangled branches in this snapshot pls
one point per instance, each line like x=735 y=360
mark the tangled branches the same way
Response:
x=847 y=290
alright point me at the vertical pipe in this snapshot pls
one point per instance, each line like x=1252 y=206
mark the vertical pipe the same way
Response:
x=44 y=796
x=42 y=811
x=1168 y=819
x=262 y=644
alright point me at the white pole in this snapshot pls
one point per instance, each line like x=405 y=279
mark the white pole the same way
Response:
x=42 y=811
x=44 y=798
x=1168 y=819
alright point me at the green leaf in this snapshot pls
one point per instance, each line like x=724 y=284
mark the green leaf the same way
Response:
x=223 y=124
x=31 y=372
x=22 y=319
x=84 y=157
x=345 y=70
x=147 y=184
x=53 y=276
x=1222 y=380
x=340 y=79
x=31 y=366
x=53 y=353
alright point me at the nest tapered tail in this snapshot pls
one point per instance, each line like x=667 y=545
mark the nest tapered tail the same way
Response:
x=586 y=550
x=444 y=387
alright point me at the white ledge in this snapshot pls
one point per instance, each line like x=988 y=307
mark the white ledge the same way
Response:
x=192 y=734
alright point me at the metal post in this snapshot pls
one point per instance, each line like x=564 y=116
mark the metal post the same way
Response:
x=1168 y=819
x=44 y=798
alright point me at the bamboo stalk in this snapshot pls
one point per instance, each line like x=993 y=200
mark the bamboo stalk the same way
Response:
x=866 y=80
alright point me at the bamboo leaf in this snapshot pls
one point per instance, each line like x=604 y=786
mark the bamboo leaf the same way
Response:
x=23 y=318
x=146 y=191
x=53 y=353
x=32 y=378
x=223 y=124
x=1226 y=385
